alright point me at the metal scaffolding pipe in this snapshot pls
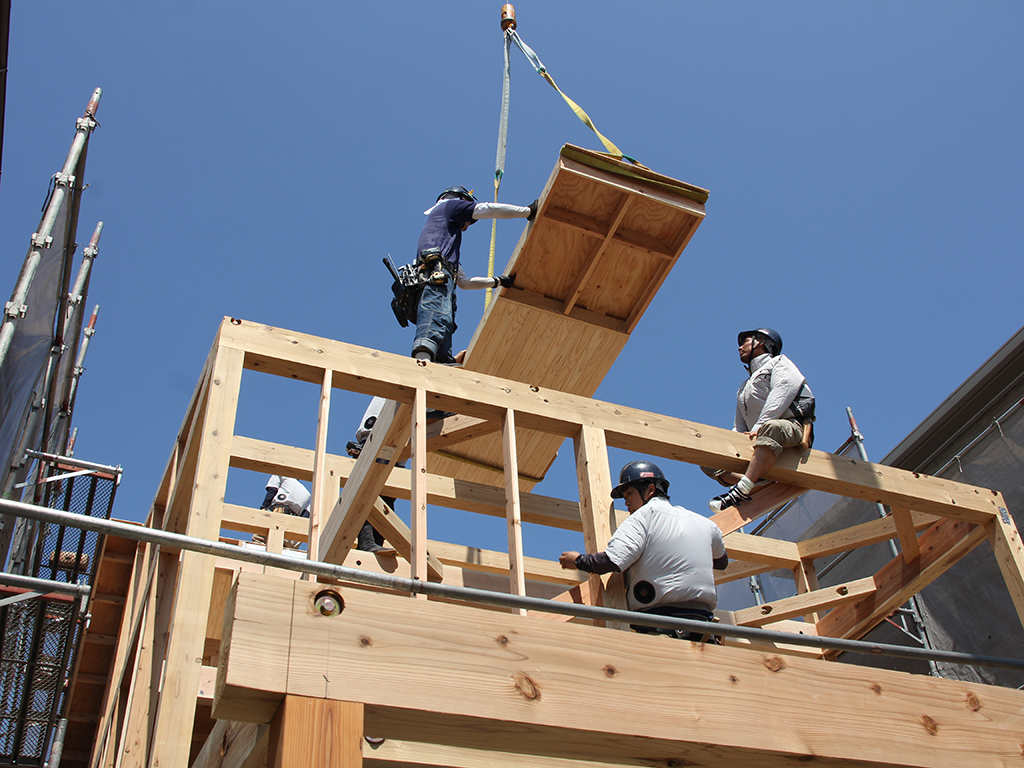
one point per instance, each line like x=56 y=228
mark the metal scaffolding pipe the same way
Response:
x=85 y=126
x=468 y=594
x=44 y=586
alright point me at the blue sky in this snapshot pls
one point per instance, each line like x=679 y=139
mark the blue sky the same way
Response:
x=258 y=159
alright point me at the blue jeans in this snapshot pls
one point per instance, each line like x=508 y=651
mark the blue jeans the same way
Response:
x=435 y=321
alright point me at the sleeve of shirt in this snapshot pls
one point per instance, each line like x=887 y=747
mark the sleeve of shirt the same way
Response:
x=596 y=562
x=628 y=542
x=460 y=211
x=786 y=381
x=717 y=541
x=739 y=423
x=474 y=283
x=500 y=211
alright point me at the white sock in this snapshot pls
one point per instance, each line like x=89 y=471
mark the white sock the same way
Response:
x=744 y=485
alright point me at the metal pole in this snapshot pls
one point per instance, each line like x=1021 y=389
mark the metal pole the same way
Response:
x=41 y=239
x=58 y=744
x=44 y=586
x=414 y=586
x=915 y=615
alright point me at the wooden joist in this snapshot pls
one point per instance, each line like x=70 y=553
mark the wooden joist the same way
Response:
x=513 y=684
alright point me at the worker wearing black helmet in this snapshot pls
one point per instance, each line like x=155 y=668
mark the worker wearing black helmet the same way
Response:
x=438 y=254
x=774 y=407
x=667 y=553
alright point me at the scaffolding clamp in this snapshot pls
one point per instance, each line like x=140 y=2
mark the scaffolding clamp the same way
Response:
x=41 y=242
x=14 y=310
x=64 y=179
x=86 y=123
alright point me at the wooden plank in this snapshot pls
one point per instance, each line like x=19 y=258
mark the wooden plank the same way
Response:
x=398 y=535
x=473 y=558
x=512 y=683
x=906 y=532
x=863 y=535
x=941 y=546
x=249 y=520
x=559 y=413
x=418 y=499
x=765 y=499
x=597 y=514
x=322 y=487
x=448 y=432
x=1009 y=554
x=172 y=740
x=806 y=603
x=389 y=435
x=232 y=745
x=513 y=516
x=396 y=753
x=761 y=549
x=316 y=732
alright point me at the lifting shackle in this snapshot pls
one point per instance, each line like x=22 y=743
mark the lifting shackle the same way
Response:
x=508 y=17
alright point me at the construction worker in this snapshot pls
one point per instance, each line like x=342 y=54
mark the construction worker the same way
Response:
x=774 y=407
x=667 y=553
x=288 y=496
x=438 y=253
x=369 y=538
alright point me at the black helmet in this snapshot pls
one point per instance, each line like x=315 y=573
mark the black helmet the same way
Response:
x=460 y=192
x=639 y=471
x=772 y=340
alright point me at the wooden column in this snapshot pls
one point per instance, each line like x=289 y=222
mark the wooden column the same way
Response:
x=597 y=512
x=513 y=513
x=320 y=478
x=323 y=733
x=1006 y=545
x=418 y=501
x=806 y=579
x=905 y=531
x=172 y=738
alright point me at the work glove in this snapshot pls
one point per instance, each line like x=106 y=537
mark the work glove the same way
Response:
x=505 y=281
x=533 y=209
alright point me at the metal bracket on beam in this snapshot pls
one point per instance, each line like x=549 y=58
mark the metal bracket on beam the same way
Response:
x=14 y=310
x=41 y=242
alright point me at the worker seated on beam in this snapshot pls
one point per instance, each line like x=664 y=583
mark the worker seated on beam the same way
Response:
x=288 y=496
x=438 y=254
x=774 y=408
x=667 y=553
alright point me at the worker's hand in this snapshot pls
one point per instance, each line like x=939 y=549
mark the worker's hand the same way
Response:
x=533 y=209
x=507 y=281
x=568 y=560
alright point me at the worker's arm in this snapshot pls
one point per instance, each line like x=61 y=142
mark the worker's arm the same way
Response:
x=597 y=562
x=504 y=211
x=786 y=381
x=720 y=558
x=720 y=563
x=269 y=499
x=476 y=283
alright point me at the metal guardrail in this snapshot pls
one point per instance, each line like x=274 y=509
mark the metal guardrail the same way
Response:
x=414 y=586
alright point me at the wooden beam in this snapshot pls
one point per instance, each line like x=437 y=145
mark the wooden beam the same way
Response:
x=418 y=500
x=1009 y=554
x=398 y=535
x=761 y=549
x=389 y=435
x=591 y=263
x=537 y=301
x=808 y=602
x=905 y=531
x=597 y=513
x=805 y=576
x=559 y=413
x=941 y=546
x=863 y=535
x=765 y=499
x=520 y=681
x=232 y=745
x=513 y=515
x=323 y=498
x=453 y=430
x=487 y=561
x=316 y=732
x=172 y=740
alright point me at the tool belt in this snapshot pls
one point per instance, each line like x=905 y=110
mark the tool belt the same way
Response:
x=430 y=268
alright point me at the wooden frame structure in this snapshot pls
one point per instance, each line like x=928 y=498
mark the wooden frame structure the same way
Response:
x=458 y=685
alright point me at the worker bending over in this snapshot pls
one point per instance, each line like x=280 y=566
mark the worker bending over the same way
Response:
x=287 y=496
x=438 y=252
x=667 y=553
x=774 y=407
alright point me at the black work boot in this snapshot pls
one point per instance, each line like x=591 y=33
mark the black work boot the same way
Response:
x=365 y=542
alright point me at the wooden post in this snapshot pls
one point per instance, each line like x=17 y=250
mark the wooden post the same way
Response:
x=320 y=486
x=172 y=739
x=418 y=502
x=806 y=579
x=516 y=576
x=1009 y=553
x=597 y=512
x=309 y=732
x=905 y=531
